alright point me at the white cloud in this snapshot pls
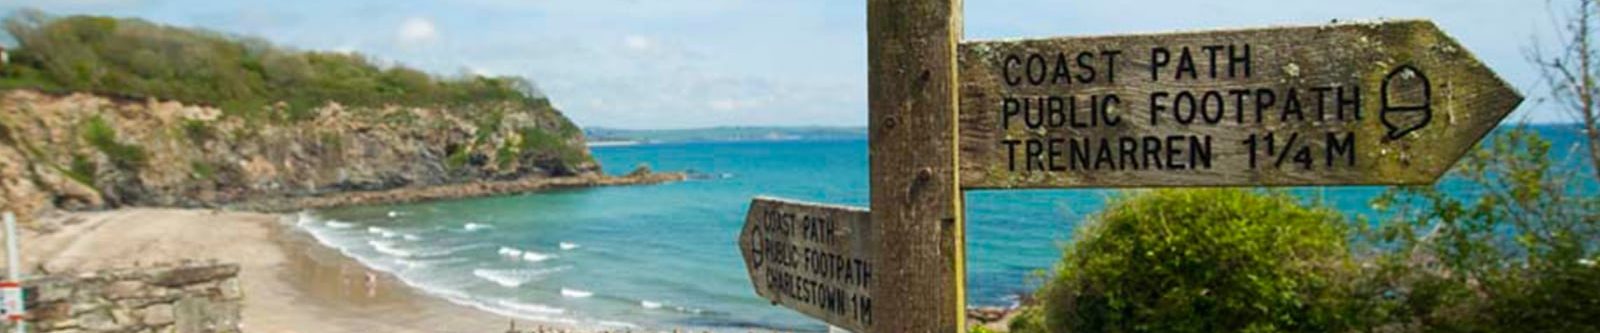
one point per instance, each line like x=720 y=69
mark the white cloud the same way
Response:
x=725 y=105
x=638 y=43
x=417 y=30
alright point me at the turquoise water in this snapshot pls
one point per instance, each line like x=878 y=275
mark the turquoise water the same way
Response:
x=665 y=256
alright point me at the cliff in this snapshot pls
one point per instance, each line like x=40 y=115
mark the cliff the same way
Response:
x=83 y=151
x=101 y=112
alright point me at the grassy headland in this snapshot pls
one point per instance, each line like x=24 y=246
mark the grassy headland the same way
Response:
x=99 y=112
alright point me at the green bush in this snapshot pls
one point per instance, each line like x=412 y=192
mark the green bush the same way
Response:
x=82 y=170
x=458 y=159
x=1208 y=260
x=202 y=170
x=539 y=141
x=198 y=131
x=1508 y=243
x=1029 y=320
x=1513 y=251
x=102 y=137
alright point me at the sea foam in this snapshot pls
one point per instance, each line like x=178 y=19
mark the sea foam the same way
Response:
x=512 y=278
x=529 y=307
x=531 y=256
x=389 y=249
x=526 y=255
x=574 y=293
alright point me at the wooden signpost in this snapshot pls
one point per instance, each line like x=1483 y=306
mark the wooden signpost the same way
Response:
x=1382 y=103
x=813 y=258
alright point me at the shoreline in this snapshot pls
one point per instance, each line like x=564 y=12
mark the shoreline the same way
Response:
x=368 y=294
x=292 y=282
x=473 y=189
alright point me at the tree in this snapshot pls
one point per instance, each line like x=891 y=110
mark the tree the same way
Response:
x=1572 y=73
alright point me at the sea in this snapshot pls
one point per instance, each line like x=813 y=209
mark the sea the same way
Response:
x=663 y=257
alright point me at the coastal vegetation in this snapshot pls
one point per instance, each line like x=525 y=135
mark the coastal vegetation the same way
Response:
x=241 y=75
x=99 y=112
x=1508 y=245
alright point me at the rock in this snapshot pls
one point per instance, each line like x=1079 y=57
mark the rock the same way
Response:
x=231 y=290
x=50 y=291
x=987 y=314
x=97 y=321
x=639 y=171
x=158 y=314
x=187 y=275
x=123 y=316
x=124 y=290
x=197 y=156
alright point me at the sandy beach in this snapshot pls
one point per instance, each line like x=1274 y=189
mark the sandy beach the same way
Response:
x=291 y=283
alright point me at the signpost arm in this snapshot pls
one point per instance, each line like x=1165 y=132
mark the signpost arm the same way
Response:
x=916 y=199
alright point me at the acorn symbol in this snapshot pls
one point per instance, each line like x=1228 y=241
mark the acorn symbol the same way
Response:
x=1407 y=102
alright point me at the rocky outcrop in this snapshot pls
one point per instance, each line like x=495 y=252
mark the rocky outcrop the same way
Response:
x=82 y=151
x=451 y=191
x=187 y=297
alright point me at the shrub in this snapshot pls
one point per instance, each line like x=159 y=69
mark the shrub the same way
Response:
x=102 y=137
x=1029 y=320
x=202 y=170
x=1511 y=251
x=539 y=141
x=1209 y=260
x=82 y=170
x=198 y=131
x=458 y=159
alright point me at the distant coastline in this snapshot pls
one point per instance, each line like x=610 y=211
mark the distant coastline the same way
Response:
x=614 y=143
x=604 y=137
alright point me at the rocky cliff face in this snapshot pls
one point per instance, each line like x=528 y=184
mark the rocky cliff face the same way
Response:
x=83 y=151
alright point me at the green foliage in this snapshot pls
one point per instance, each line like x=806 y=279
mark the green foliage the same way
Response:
x=1207 y=260
x=102 y=137
x=243 y=76
x=458 y=159
x=198 y=131
x=504 y=155
x=202 y=170
x=980 y=329
x=539 y=141
x=1507 y=244
x=1029 y=320
x=82 y=170
x=1516 y=254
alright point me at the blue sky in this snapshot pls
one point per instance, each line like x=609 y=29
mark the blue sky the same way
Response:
x=694 y=63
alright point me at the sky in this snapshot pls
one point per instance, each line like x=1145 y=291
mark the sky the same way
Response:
x=699 y=63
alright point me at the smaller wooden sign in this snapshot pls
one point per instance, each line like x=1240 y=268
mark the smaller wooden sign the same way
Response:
x=813 y=258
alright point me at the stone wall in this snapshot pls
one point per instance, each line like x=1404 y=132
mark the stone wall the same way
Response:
x=188 y=297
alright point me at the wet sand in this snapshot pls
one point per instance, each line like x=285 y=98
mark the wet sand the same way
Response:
x=291 y=283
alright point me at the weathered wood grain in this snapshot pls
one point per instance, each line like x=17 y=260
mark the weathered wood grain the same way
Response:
x=916 y=200
x=814 y=258
x=1467 y=101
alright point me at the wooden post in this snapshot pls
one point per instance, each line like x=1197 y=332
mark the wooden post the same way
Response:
x=919 y=284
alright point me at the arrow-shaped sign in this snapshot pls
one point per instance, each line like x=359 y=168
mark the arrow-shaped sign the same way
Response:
x=1356 y=103
x=812 y=258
